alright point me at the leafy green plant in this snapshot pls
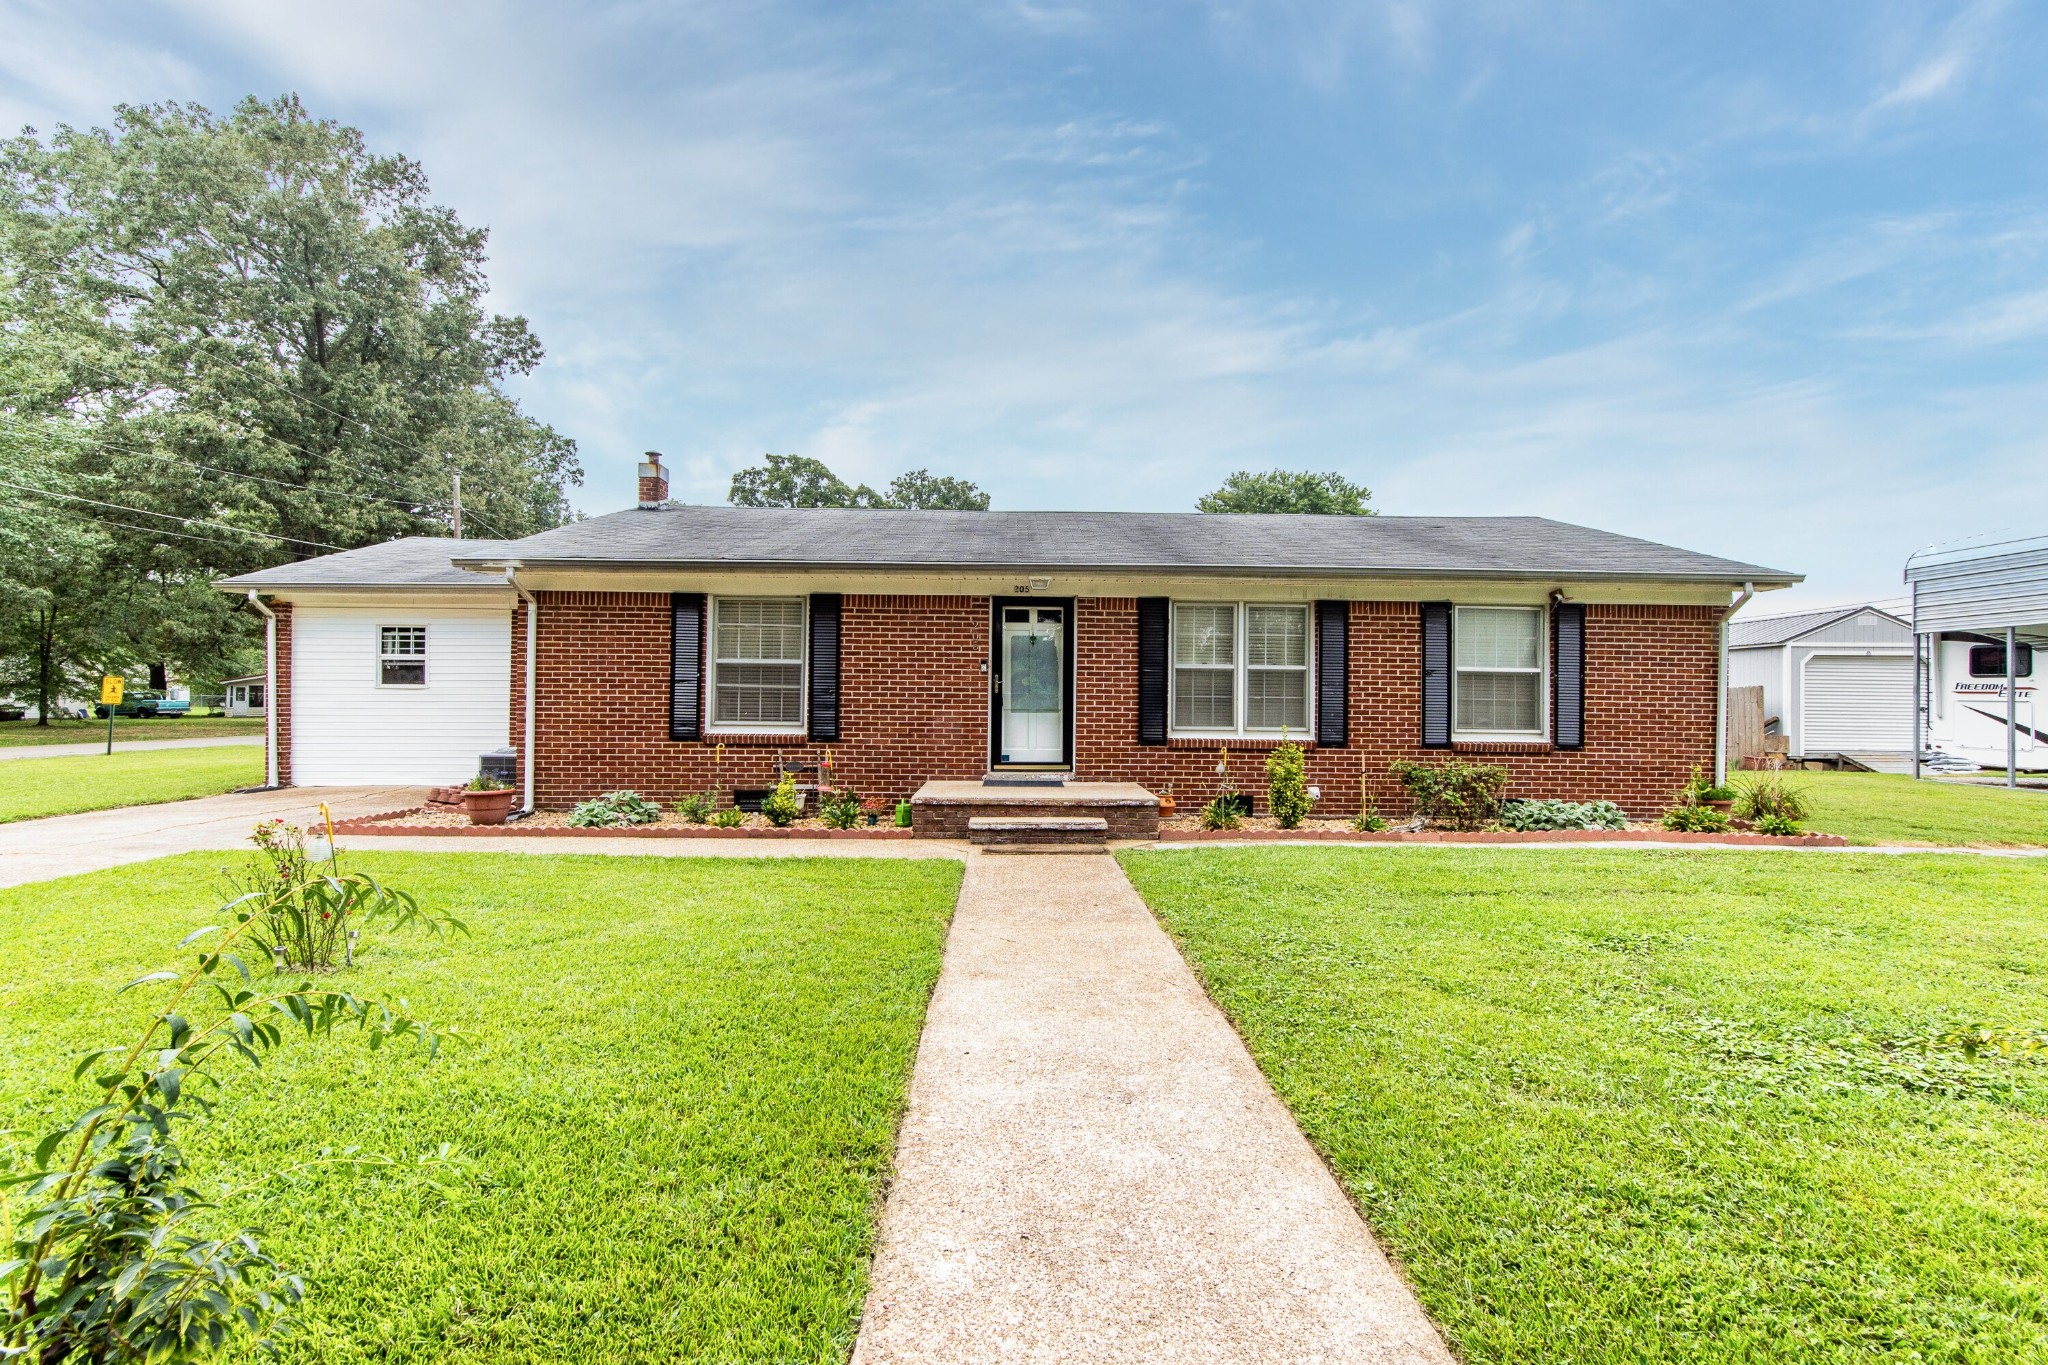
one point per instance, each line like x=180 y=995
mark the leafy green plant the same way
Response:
x=697 y=807
x=308 y=908
x=1222 y=812
x=488 y=782
x=1368 y=822
x=1775 y=824
x=1454 y=793
x=1699 y=788
x=1767 y=794
x=782 y=806
x=732 y=817
x=1287 y=785
x=614 y=810
x=1542 y=815
x=842 y=809
x=1692 y=819
x=111 y=1257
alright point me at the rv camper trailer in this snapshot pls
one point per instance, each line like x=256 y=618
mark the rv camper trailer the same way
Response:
x=1980 y=617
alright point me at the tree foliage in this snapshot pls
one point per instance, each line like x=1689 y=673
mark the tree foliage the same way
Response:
x=1283 y=490
x=254 y=323
x=800 y=481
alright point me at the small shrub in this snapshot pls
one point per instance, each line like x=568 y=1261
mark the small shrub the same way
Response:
x=1775 y=824
x=1768 y=794
x=1287 y=785
x=1699 y=789
x=1454 y=794
x=842 y=810
x=732 y=817
x=1538 y=815
x=614 y=810
x=782 y=806
x=1368 y=822
x=698 y=807
x=309 y=904
x=1690 y=819
x=1221 y=813
x=488 y=782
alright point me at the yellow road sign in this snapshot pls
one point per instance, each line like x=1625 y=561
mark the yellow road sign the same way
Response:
x=110 y=690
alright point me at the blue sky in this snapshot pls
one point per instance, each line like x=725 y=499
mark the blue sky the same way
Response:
x=1764 y=280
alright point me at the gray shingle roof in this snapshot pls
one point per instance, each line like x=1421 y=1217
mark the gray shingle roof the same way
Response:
x=414 y=561
x=1144 y=542
x=1776 y=630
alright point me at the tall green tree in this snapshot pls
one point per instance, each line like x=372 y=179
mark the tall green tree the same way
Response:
x=254 y=322
x=800 y=481
x=1281 y=490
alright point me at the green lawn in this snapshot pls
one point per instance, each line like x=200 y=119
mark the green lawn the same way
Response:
x=1882 y=808
x=15 y=733
x=681 y=1096
x=1649 y=1106
x=31 y=787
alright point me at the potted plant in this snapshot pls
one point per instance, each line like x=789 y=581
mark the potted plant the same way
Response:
x=487 y=800
x=874 y=808
x=1703 y=791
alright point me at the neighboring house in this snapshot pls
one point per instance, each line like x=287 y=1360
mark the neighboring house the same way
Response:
x=244 y=696
x=1835 y=682
x=672 y=648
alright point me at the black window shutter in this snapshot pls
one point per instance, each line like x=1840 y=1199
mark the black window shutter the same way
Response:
x=1568 y=623
x=825 y=666
x=686 y=666
x=1154 y=614
x=1333 y=669
x=1436 y=675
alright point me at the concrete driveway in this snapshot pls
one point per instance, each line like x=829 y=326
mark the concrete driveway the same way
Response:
x=36 y=850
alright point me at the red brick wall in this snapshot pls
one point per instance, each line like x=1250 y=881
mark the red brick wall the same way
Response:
x=280 y=696
x=915 y=706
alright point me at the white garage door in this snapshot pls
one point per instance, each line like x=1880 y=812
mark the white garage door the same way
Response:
x=1858 y=704
x=354 y=721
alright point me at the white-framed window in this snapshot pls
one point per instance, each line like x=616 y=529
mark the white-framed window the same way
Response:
x=1499 y=675
x=402 y=656
x=1240 y=668
x=757 y=663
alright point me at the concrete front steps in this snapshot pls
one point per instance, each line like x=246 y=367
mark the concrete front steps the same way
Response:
x=1072 y=813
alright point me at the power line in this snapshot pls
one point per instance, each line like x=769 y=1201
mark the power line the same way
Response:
x=145 y=512
x=85 y=520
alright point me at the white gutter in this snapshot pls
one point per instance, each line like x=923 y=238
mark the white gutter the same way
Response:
x=526 y=755
x=270 y=696
x=1721 y=689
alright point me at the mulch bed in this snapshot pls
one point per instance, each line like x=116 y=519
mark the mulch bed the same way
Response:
x=1263 y=829
x=435 y=819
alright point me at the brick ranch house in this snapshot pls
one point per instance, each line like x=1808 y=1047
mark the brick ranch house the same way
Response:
x=674 y=648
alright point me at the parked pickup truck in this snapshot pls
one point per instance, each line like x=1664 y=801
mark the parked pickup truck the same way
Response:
x=147 y=705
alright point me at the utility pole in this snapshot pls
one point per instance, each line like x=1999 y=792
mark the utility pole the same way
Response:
x=458 y=506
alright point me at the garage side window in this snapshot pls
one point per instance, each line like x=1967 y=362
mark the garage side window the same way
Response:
x=757 y=663
x=402 y=656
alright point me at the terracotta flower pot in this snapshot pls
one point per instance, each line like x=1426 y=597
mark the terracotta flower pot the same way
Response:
x=1167 y=805
x=1722 y=806
x=488 y=808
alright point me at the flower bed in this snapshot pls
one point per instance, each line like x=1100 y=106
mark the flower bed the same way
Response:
x=555 y=824
x=1261 y=829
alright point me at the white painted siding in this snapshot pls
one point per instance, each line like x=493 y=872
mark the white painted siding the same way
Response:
x=346 y=728
x=1865 y=627
x=1857 y=703
x=1763 y=668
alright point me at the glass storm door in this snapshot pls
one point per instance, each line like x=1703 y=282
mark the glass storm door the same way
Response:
x=1034 y=685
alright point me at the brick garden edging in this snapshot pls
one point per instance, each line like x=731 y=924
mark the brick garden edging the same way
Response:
x=1500 y=836
x=390 y=823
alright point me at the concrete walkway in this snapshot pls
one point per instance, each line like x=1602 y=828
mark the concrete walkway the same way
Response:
x=1093 y=1168
x=126 y=746
x=36 y=850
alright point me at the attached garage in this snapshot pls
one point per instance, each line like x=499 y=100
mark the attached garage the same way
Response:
x=1858 y=703
x=390 y=665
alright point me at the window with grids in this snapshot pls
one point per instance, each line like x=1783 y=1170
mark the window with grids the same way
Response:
x=402 y=656
x=1240 y=668
x=1499 y=672
x=757 y=647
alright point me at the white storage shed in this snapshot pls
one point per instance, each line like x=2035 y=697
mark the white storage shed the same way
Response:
x=1836 y=683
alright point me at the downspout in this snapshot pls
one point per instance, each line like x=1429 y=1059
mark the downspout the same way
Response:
x=526 y=754
x=270 y=697
x=1721 y=689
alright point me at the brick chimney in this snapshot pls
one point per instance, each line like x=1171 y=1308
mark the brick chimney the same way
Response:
x=653 y=481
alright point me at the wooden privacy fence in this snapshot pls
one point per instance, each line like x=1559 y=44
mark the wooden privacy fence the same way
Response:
x=1745 y=724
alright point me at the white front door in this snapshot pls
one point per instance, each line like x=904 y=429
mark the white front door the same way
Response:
x=1033 y=684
